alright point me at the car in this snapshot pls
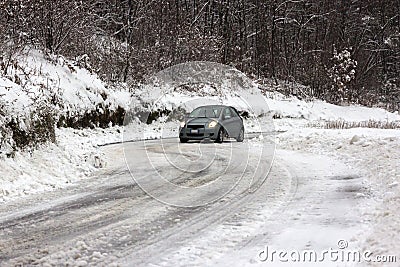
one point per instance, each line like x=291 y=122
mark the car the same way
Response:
x=214 y=122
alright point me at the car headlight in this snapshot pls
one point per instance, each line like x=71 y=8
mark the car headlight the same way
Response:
x=212 y=124
x=183 y=124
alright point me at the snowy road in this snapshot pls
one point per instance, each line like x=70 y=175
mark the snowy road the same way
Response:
x=307 y=202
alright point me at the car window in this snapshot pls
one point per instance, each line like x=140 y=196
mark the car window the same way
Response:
x=206 y=112
x=234 y=114
x=227 y=113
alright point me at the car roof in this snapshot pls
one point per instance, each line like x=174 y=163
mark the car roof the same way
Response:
x=222 y=106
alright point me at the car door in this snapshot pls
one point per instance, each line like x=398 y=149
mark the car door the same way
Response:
x=228 y=122
x=236 y=123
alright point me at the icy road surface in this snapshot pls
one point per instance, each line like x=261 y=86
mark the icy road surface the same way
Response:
x=307 y=202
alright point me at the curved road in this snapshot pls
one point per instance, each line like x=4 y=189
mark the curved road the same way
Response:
x=206 y=205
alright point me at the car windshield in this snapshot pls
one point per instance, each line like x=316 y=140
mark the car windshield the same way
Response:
x=206 y=112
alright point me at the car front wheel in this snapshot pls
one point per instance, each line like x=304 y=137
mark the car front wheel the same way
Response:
x=183 y=140
x=240 y=137
x=220 y=136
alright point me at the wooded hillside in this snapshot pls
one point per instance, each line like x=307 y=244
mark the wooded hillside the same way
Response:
x=345 y=51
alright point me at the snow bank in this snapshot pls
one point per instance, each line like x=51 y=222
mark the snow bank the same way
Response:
x=376 y=154
x=241 y=100
x=76 y=90
x=75 y=156
x=66 y=92
x=291 y=107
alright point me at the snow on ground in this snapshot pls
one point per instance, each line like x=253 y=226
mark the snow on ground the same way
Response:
x=376 y=154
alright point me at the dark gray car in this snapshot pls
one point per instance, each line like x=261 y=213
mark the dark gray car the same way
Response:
x=215 y=122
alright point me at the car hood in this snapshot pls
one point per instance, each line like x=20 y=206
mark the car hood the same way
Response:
x=198 y=120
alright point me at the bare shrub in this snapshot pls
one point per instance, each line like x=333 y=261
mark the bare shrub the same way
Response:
x=342 y=124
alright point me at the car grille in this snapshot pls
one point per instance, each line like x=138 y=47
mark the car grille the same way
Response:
x=195 y=126
x=194 y=134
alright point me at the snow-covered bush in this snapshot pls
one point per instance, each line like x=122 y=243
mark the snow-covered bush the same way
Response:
x=390 y=96
x=27 y=129
x=342 y=72
x=35 y=129
x=6 y=141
